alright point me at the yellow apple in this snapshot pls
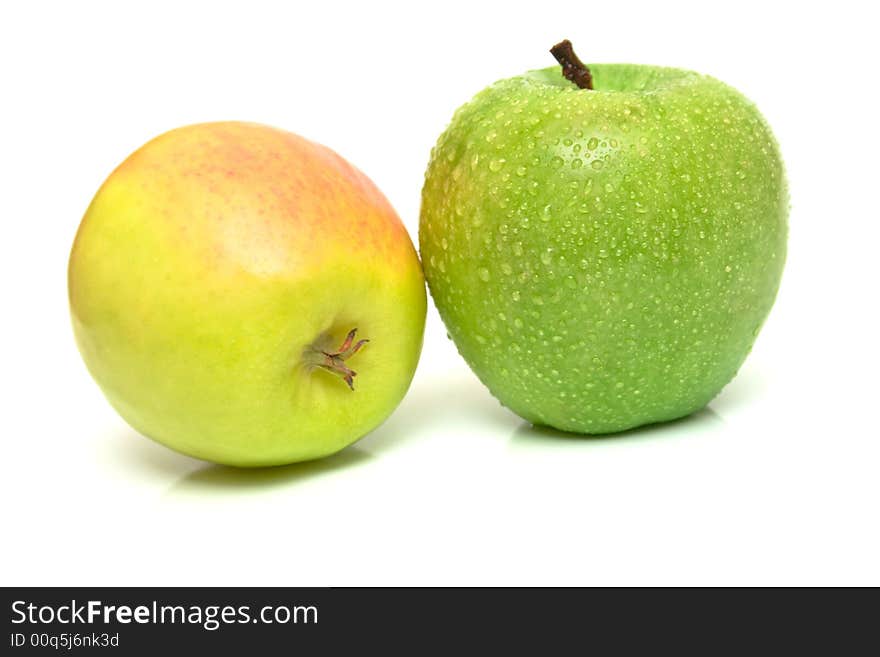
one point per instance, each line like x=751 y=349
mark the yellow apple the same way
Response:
x=246 y=296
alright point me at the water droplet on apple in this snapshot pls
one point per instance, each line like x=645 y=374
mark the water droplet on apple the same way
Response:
x=483 y=273
x=496 y=165
x=597 y=164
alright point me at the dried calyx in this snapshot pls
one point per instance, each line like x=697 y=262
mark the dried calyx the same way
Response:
x=335 y=361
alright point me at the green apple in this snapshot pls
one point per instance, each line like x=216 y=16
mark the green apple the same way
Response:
x=228 y=283
x=604 y=248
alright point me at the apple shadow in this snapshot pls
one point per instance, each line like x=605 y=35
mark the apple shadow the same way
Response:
x=529 y=435
x=746 y=386
x=447 y=400
x=147 y=459
x=225 y=478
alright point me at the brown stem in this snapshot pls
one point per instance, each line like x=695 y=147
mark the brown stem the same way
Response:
x=573 y=69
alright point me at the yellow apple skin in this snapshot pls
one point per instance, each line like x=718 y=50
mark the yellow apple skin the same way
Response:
x=212 y=268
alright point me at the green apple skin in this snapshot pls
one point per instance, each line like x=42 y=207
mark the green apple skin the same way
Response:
x=605 y=258
x=212 y=268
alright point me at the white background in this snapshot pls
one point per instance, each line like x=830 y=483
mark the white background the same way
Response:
x=775 y=483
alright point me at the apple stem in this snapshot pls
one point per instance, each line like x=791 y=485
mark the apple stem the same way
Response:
x=335 y=362
x=573 y=68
